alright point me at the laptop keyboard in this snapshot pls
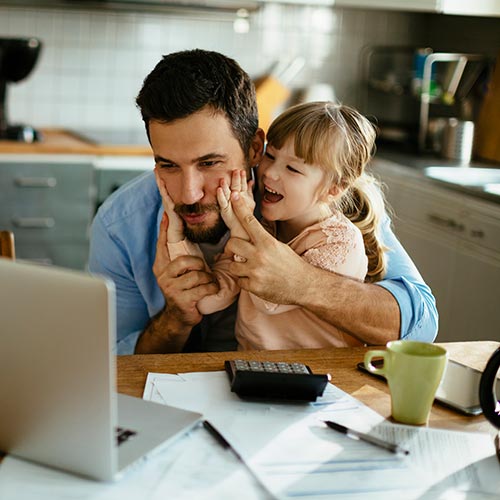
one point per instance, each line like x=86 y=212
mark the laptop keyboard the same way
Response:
x=123 y=435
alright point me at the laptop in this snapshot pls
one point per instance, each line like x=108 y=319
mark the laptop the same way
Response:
x=58 y=377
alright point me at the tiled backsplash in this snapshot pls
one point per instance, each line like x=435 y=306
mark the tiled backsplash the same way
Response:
x=93 y=62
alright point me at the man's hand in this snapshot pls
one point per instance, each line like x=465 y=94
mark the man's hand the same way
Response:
x=274 y=272
x=239 y=185
x=183 y=282
x=271 y=270
x=175 y=232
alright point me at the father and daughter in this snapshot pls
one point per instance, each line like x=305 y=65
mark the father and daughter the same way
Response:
x=315 y=195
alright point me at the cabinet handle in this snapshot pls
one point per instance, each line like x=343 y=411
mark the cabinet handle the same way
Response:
x=36 y=182
x=445 y=222
x=34 y=222
x=477 y=233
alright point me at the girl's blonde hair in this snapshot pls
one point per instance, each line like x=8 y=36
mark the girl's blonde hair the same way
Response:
x=341 y=141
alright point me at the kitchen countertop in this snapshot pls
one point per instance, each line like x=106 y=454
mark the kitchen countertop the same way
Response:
x=59 y=141
x=415 y=165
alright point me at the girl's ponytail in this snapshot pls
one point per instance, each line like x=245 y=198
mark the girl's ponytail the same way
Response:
x=364 y=206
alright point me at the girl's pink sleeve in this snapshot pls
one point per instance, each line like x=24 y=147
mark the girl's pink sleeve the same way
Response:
x=343 y=255
x=228 y=285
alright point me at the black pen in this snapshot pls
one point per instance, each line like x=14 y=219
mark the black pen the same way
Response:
x=394 y=448
x=228 y=446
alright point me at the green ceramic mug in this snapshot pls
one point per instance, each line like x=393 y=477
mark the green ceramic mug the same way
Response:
x=413 y=371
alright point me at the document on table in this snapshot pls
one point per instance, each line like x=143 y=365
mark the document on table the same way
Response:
x=287 y=445
x=296 y=455
x=191 y=468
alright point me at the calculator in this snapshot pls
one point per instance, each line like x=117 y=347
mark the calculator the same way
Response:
x=269 y=380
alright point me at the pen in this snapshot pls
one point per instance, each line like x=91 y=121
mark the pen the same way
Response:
x=394 y=448
x=228 y=446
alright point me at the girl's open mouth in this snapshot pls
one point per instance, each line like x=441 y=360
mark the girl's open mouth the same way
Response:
x=271 y=196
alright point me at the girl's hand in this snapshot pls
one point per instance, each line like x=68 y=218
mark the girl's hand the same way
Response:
x=240 y=185
x=175 y=231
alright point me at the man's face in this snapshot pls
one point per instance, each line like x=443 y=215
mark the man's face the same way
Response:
x=192 y=155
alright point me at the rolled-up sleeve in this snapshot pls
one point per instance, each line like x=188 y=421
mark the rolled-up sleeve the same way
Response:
x=417 y=305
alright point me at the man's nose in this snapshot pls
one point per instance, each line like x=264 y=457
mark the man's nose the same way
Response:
x=192 y=187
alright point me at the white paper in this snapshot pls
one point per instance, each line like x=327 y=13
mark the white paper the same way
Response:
x=195 y=467
x=297 y=456
x=288 y=446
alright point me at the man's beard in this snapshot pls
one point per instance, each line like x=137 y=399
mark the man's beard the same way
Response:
x=201 y=233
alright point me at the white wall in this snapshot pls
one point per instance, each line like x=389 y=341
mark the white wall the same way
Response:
x=93 y=62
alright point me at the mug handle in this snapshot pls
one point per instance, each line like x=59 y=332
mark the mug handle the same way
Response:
x=373 y=369
x=487 y=397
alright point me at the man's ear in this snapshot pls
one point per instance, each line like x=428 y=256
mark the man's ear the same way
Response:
x=257 y=147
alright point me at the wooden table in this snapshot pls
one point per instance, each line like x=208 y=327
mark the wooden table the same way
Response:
x=339 y=362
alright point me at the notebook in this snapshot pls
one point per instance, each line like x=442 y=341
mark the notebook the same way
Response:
x=58 y=376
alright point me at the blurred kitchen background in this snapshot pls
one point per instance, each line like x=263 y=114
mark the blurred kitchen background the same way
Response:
x=423 y=70
x=93 y=61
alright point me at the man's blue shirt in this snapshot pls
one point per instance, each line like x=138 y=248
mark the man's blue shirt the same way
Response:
x=123 y=247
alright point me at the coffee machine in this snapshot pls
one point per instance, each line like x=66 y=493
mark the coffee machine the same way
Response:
x=18 y=57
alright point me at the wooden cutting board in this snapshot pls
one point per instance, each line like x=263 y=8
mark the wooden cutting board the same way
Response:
x=487 y=138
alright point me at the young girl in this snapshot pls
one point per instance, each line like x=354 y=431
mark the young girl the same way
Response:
x=314 y=196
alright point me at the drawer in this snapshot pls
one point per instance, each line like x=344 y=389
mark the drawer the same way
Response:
x=439 y=211
x=484 y=231
x=72 y=255
x=38 y=181
x=46 y=201
x=46 y=229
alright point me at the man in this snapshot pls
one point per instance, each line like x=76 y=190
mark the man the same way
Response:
x=201 y=118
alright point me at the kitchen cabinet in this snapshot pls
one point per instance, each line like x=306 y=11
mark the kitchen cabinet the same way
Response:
x=48 y=203
x=111 y=172
x=454 y=240
x=461 y=7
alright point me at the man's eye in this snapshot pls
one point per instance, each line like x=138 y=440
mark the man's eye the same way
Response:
x=209 y=163
x=166 y=166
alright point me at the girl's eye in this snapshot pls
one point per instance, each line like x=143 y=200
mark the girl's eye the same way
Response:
x=294 y=170
x=269 y=155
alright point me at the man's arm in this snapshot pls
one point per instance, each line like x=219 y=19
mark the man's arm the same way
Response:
x=372 y=313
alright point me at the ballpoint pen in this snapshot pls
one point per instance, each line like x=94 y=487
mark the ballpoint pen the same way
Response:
x=393 y=448
x=227 y=445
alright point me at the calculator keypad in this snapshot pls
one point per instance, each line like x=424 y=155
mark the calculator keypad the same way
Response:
x=270 y=366
x=271 y=380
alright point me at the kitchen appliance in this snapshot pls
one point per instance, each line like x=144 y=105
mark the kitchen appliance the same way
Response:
x=411 y=91
x=18 y=57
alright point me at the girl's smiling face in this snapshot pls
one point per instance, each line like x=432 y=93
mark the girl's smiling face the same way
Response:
x=292 y=191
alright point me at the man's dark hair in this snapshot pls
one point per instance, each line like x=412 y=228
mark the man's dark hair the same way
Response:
x=183 y=83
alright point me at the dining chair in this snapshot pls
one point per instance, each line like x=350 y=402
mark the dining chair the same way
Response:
x=7 y=248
